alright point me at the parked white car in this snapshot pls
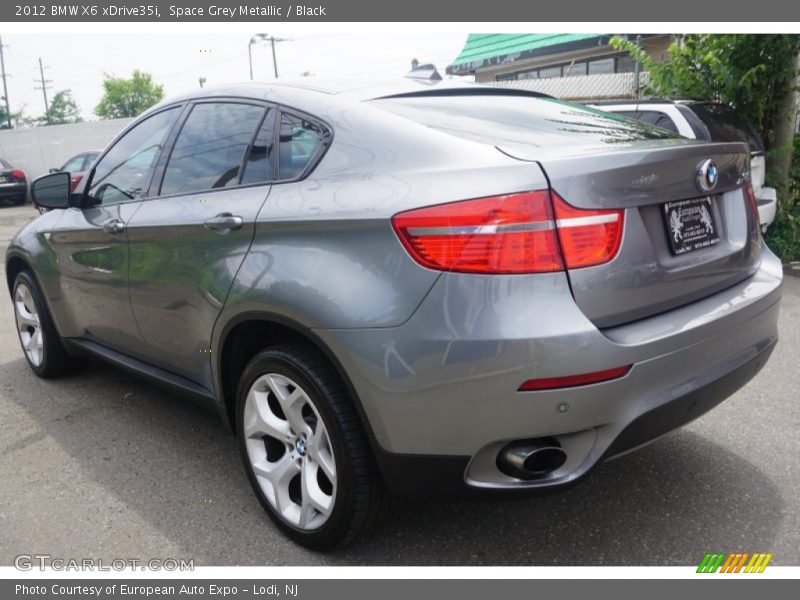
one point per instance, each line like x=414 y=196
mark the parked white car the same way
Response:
x=705 y=121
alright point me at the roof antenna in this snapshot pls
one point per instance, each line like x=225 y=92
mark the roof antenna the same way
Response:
x=425 y=72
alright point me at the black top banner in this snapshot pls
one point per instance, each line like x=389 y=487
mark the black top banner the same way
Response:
x=403 y=10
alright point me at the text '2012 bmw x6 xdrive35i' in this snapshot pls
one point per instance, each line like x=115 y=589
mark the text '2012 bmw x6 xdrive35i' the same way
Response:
x=409 y=288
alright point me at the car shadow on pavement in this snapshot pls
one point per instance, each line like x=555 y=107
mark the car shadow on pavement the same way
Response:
x=174 y=464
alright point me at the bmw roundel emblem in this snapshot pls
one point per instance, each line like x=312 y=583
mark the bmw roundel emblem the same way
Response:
x=707 y=175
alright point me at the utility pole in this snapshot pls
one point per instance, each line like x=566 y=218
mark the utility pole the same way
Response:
x=44 y=89
x=254 y=40
x=5 y=86
x=263 y=37
x=272 y=40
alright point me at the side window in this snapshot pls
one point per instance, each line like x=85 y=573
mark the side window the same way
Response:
x=90 y=158
x=259 y=164
x=300 y=140
x=210 y=147
x=658 y=119
x=74 y=164
x=123 y=173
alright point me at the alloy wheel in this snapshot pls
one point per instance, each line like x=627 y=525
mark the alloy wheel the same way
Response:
x=290 y=451
x=28 y=325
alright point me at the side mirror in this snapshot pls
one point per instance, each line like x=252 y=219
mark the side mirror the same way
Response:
x=51 y=191
x=54 y=171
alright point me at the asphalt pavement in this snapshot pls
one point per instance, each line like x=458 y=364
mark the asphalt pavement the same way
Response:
x=104 y=465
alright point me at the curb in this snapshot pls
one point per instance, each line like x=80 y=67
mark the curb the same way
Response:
x=792 y=268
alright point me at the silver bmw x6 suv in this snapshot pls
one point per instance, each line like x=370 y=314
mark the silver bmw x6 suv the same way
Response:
x=401 y=289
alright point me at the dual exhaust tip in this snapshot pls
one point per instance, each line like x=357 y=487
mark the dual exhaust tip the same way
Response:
x=531 y=459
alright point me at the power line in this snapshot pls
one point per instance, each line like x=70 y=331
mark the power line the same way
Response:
x=44 y=89
x=5 y=86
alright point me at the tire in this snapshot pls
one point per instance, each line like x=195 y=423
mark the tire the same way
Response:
x=356 y=496
x=47 y=357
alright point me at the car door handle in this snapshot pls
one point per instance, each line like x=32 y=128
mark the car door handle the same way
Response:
x=114 y=227
x=223 y=223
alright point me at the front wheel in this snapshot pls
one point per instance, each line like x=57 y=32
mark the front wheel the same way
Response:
x=37 y=333
x=304 y=449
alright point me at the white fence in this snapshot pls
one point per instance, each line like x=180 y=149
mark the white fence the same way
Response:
x=583 y=88
x=38 y=149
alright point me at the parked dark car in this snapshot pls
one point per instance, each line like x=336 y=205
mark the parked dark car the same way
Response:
x=13 y=183
x=411 y=288
x=77 y=166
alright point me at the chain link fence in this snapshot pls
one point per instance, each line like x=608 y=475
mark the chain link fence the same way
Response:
x=584 y=88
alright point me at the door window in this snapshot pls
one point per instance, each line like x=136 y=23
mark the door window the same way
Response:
x=74 y=164
x=259 y=165
x=210 y=148
x=123 y=174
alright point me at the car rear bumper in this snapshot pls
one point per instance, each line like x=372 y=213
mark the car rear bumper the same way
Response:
x=444 y=476
x=440 y=392
x=13 y=190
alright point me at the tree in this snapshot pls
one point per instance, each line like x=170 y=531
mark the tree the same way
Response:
x=756 y=75
x=63 y=109
x=128 y=97
x=18 y=118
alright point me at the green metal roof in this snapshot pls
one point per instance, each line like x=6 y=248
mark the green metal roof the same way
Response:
x=483 y=49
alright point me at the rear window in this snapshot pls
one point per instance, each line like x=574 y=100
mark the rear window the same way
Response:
x=520 y=119
x=724 y=125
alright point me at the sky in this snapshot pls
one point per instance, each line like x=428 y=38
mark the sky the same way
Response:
x=78 y=61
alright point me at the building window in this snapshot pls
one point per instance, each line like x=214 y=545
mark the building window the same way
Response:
x=621 y=63
x=626 y=64
x=549 y=72
x=573 y=69
x=601 y=66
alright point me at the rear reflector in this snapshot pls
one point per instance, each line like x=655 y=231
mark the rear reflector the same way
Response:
x=514 y=233
x=554 y=383
x=588 y=237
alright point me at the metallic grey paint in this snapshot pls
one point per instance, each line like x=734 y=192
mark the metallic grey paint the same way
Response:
x=434 y=359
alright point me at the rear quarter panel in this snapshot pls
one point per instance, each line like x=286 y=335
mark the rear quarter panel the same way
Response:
x=325 y=254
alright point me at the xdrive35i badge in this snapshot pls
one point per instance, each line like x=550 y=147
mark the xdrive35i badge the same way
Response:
x=707 y=175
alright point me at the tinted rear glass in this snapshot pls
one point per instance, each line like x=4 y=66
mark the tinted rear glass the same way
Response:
x=657 y=118
x=520 y=119
x=725 y=125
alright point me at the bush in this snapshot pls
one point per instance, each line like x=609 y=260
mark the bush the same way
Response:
x=783 y=236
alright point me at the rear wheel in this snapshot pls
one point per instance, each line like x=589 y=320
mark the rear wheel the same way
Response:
x=37 y=334
x=304 y=449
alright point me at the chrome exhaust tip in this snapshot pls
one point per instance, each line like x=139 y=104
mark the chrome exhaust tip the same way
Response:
x=531 y=459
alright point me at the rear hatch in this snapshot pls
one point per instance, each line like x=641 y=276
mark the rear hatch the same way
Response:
x=679 y=243
x=653 y=271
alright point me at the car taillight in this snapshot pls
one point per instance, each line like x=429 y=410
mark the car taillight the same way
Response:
x=514 y=233
x=500 y=234
x=750 y=198
x=18 y=175
x=588 y=237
